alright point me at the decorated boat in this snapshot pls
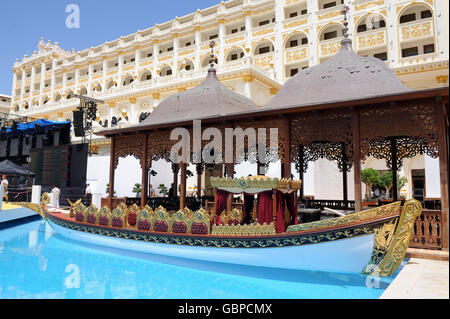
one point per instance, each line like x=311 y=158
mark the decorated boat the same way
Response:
x=371 y=242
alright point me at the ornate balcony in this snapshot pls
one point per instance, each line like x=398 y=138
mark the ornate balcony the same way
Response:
x=263 y=30
x=235 y=37
x=416 y=30
x=296 y=54
x=264 y=60
x=329 y=48
x=371 y=40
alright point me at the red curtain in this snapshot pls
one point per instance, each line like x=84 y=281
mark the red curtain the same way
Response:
x=221 y=204
x=265 y=207
x=290 y=204
x=280 y=220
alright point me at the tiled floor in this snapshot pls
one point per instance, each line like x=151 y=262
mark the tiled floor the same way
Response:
x=420 y=279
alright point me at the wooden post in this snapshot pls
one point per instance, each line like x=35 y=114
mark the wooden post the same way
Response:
x=144 y=167
x=199 y=180
x=183 y=186
x=230 y=173
x=111 y=172
x=301 y=150
x=442 y=119
x=394 y=168
x=357 y=160
x=175 y=168
x=274 y=206
x=344 y=176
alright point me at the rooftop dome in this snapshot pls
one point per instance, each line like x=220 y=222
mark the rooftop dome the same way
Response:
x=345 y=76
x=209 y=99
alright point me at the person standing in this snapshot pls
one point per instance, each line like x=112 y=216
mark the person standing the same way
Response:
x=5 y=187
x=88 y=194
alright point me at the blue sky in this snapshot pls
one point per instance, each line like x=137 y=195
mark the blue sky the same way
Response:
x=23 y=23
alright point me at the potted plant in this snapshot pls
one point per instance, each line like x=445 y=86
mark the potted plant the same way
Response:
x=369 y=177
x=163 y=189
x=137 y=189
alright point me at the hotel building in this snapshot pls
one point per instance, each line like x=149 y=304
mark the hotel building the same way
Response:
x=260 y=44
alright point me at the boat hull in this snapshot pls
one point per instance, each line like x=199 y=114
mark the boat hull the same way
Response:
x=348 y=255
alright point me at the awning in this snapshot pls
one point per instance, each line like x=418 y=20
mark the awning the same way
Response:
x=8 y=168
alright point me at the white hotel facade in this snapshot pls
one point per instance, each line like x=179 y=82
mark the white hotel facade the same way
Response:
x=260 y=44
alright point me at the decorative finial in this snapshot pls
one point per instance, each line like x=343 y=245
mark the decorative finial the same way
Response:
x=346 y=41
x=344 y=11
x=211 y=59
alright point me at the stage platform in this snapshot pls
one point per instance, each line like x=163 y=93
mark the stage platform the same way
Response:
x=12 y=215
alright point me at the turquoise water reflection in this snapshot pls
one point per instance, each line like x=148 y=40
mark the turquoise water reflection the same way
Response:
x=37 y=263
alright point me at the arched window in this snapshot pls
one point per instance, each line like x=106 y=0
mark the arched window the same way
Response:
x=83 y=91
x=70 y=95
x=414 y=13
x=111 y=84
x=235 y=54
x=331 y=32
x=166 y=71
x=145 y=76
x=187 y=65
x=263 y=48
x=128 y=80
x=296 y=40
x=371 y=22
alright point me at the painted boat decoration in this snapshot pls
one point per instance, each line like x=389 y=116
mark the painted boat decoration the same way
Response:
x=371 y=242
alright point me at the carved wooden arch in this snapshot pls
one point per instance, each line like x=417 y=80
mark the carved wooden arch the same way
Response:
x=412 y=123
x=133 y=145
x=323 y=134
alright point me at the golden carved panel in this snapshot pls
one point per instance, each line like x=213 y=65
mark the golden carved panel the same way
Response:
x=372 y=39
x=263 y=61
x=297 y=54
x=417 y=30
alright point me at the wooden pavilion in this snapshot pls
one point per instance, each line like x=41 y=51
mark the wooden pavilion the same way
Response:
x=345 y=109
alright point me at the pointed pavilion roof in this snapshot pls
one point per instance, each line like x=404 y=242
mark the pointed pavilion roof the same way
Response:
x=345 y=76
x=209 y=99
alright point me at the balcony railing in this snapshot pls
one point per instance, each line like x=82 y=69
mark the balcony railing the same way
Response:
x=427 y=230
x=329 y=47
x=416 y=30
x=263 y=30
x=296 y=54
x=296 y=21
x=264 y=60
x=371 y=40
x=235 y=37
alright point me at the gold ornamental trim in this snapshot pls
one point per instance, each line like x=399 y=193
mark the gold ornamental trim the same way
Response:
x=369 y=4
x=385 y=210
x=256 y=183
x=296 y=23
x=330 y=15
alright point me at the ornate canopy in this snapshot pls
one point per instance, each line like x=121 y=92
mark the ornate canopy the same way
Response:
x=208 y=100
x=345 y=76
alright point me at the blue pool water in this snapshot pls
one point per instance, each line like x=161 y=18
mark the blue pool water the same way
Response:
x=37 y=263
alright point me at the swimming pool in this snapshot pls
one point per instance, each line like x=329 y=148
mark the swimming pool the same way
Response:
x=35 y=262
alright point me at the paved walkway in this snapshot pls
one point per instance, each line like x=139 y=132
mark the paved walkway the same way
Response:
x=420 y=279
